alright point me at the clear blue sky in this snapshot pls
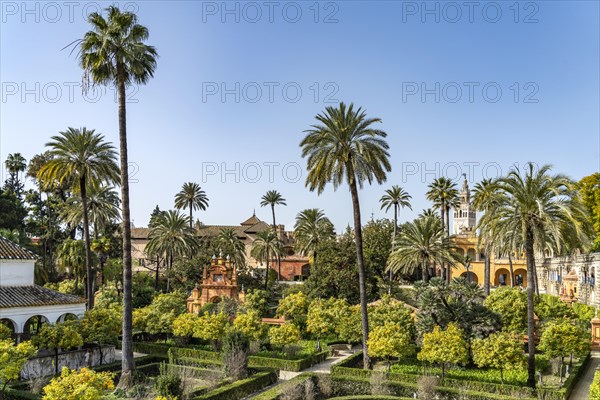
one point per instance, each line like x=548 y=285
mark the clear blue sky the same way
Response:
x=391 y=57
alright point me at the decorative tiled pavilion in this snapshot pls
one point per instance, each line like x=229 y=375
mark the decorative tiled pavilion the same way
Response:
x=218 y=280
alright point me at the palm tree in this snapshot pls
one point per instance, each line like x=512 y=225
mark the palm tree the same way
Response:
x=114 y=52
x=343 y=146
x=444 y=195
x=103 y=208
x=170 y=236
x=420 y=244
x=84 y=158
x=101 y=246
x=71 y=256
x=266 y=245
x=271 y=198
x=193 y=197
x=539 y=208
x=486 y=197
x=395 y=197
x=311 y=229
x=15 y=163
x=227 y=239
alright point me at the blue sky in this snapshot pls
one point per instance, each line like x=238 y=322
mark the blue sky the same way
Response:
x=459 y=89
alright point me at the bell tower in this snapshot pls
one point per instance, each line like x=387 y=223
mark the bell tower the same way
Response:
x=465 y=219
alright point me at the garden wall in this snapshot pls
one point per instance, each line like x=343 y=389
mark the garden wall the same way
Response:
x=43 y=366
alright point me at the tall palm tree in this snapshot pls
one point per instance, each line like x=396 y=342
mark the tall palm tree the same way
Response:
x=15 y=163
x=539 y=208
x=395 y=197
x=443 y=193
x=266 y=245
x=114 y=52
x=420 y=244
x=312 y=228
x=171 y=236
x=84 y=158
x=486 y=197
x=271 y=198
x=103 y=208
x=193 y=197
x=229 y=241
x=344 y=146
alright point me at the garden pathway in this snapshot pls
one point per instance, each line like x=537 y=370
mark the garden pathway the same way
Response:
x=322 y=367
x=581 y=391
x=118 y=355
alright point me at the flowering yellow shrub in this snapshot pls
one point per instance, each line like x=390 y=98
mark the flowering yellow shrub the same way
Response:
x=84 y=384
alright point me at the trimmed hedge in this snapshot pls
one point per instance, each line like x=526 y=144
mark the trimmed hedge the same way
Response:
x=275 y=393
x=349 y=368
x=13 y=394
x=189 y=355
x=370 y=397
x=242 y=388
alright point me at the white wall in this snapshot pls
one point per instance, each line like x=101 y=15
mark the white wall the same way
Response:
x=16 y=272
x=20 y=315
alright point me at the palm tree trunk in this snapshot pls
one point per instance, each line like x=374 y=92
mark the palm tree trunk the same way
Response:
x=156 y=275
x=393 y=243
x=486 y=271
x=442 y=214
x=267 y=271
x=127 y=363
x=191 y=216
x=530 y=311
x=425 y=272
x=278 y=256
x=512 y=272
x=448 y=279
x=361 y=269
x=89 y=282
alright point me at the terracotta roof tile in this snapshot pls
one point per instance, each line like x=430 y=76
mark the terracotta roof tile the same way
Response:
x=11 y=251
x=34 y=295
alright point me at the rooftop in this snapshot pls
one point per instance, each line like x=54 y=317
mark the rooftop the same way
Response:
x=34 y=295
x=9 y=250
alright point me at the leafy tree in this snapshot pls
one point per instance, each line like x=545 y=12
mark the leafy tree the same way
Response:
x=390 y=341
x=344 y=146
x=60 y=336
x=311 y=229
x=284 y=335
x=444 y=347
x=266 y=245
x=84 y=384
x=250 y=324
x=391 y=311
x=422 y=243
x=114 y=52
x=235 y=355
x=12 y=359
x=544 y=209
x=101 y=247
x=12 y=212
x=185 y=325
x=83 y=157
x=563 y=338
x=324 y=315
x=143 y=291
x=377 y=237
x=589 y=189
x=71 y=257
x=192 y=197
x=258 y=300
x=5 y=331
x=550 y=308
x=397 y=198
x=511 y=305
x=212 y=327
x=349 y=327
x=102 y=326
x=500 y=350
x=294 y=307
x=158 y=317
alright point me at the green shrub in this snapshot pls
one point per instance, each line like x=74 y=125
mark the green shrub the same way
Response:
x=595 y=387
x=240 y=389
x=168 y=384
